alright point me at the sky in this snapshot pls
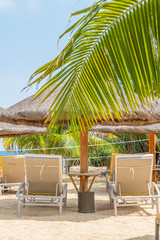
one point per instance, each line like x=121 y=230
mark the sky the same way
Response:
x=29 y=31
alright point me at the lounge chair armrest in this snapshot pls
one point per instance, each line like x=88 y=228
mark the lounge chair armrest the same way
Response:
x=156 y=188
x=112 y=186
x=107 y=180
x=111 y=190
x=19 y=189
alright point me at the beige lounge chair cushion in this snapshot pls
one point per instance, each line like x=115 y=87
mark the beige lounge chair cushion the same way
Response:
x=112 y=172
x=13 y=168
x=133 y=172
x=43 y=172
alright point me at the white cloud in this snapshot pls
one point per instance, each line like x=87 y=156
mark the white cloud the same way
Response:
x=7 y=4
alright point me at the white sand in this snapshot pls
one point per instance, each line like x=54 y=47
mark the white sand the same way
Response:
x=44 y=223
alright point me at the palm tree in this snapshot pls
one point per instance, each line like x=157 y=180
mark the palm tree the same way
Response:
x=62 y=141
x=46 y=143
x=113 y=53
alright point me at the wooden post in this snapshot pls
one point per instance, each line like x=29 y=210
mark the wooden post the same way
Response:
x=152 y=150
x=84 y=159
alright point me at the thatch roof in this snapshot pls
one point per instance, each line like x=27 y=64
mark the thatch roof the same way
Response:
x=153 y=128
x=11 y=130
x=28 y=112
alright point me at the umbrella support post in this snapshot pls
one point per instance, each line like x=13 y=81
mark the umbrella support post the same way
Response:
x=84 y=159
x=85 y=198
x=152 y=147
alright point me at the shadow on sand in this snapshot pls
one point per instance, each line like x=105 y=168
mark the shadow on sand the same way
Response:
x=8 y=210
x=145 y=237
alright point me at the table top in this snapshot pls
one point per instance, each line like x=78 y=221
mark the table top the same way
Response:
x=84 y=174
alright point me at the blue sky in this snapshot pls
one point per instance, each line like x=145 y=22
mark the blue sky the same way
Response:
x=29 y=31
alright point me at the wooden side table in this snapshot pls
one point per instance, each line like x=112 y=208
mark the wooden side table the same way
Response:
x=83 y=176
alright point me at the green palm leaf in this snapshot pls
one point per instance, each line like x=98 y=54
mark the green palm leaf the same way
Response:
x=58 y=140
x=113 y=53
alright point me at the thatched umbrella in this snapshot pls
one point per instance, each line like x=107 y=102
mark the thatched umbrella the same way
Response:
x=28 y=112
x=11 y=130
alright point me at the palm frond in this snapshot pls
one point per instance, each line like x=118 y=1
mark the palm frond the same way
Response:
x=113 y=53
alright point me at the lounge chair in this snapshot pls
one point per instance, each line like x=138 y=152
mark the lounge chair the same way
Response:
x=12 y=171
x=133 y=182
x=43 y=182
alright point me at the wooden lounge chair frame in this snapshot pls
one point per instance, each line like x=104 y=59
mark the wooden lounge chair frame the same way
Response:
x=117 y=199
x=43 y=199
x=4 y=184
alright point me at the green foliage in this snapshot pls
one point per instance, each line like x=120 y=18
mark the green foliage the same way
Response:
x=64 y=142
x=132 y=147
x=46 y=143
x=61 y=141
x=122 y=143
x=99 y=157
x=114 y=45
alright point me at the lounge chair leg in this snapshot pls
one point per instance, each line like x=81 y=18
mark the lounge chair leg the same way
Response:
x=60 y=207
x=106 y=186
x=111 y=202
x=19 y=207
x=65 y=201
x=156 y=231
x=115 y=207
x=157 y=201
x=24 y=200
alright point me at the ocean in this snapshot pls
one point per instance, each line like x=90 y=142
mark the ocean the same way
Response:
x=5 y=153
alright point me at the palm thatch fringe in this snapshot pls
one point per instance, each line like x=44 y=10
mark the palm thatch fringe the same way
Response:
x=11 y=130
x=31 y=112
x=153 y=128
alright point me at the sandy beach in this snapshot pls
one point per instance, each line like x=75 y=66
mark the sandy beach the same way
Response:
x=44 y=223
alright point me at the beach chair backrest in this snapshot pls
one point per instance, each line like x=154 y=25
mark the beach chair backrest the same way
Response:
x=133 y=173
x=43 y=172
x=112 y=172
x=13 y=168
